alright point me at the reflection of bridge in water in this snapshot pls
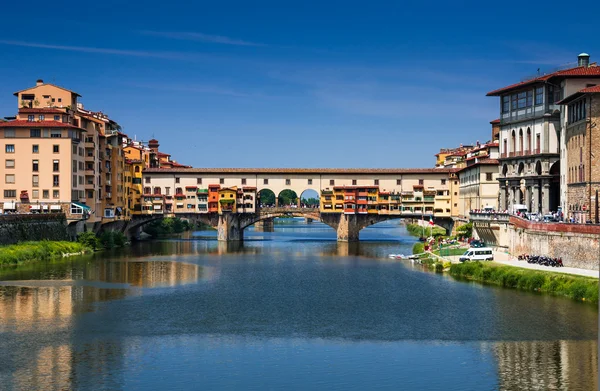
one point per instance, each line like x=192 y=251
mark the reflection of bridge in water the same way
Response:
x=230 y=226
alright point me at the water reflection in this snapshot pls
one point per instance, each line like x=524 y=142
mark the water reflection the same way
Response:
x=193 y=313
x=557 y=365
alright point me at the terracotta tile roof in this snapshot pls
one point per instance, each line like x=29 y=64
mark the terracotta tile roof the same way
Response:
x=592 y=70
x=316 y=171
x=482 y=162
x=41 y=110
x=580 y=93
x=38 y=124
x=496 y=121
x=590 y=90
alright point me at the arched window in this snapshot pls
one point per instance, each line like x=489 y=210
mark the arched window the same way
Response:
x=157 y=190
x=513 y=144
x=137 y=168
x=528 y=140
x=521 y=140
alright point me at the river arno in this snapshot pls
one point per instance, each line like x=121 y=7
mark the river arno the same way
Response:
x=291 y=309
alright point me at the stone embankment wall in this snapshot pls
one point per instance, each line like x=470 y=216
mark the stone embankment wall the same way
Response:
x=17 y=228
x=578 y=245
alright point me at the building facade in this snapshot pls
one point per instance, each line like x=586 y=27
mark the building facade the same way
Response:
x=381 y=191
x=582 y=143
x=531 y=135
x=479 y=180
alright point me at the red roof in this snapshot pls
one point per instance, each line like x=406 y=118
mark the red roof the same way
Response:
x=39 y=124
x=580 y=93
x=590 y=90
x=592 y=70
x=163 y=154
x=41 y=110
x=496 y=121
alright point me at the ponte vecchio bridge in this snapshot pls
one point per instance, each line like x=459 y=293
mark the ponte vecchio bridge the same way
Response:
x=228 y=199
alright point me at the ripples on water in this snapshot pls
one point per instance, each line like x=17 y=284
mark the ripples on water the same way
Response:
x=291 y=309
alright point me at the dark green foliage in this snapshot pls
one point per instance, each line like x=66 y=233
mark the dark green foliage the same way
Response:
x=288 y=197
x=575 y=287
x=167 y=226
x=112 y=239
x=90 y=240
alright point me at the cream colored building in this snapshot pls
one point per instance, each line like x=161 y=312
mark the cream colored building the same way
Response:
x=438 y=181
x=479 y=185
x=58 y=156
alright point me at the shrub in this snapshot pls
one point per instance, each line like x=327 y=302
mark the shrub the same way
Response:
x=89 y=239
x=112 y=239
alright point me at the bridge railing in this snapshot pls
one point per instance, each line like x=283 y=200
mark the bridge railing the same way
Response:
x=490 y=217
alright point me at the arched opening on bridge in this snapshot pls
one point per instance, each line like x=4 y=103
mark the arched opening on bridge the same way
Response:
x=266 y=198
x=309 y=199
x=287 y=198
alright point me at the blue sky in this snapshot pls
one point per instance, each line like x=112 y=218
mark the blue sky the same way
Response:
x=313 y=84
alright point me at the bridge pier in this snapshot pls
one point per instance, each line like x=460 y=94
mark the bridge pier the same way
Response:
x=266 y=225
x=230 y=228
x=348 y=228
x=308 y=220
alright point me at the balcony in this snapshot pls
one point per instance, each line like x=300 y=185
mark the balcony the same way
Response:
x=90 y=186
x=89 y=144
x=108 y=195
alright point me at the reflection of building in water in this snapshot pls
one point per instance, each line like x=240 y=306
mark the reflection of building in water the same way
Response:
x=547 y=365
x=144 y=274
x=50 y=368
x=21 y=308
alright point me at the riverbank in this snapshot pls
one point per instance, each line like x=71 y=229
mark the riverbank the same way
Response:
x=38 y=251
x=575 y=287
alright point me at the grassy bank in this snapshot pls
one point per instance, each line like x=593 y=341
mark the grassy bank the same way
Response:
x=575 y=287
x=37 y=251
x=417 y=230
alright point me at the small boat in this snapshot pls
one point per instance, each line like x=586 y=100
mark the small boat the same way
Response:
x=397 y=256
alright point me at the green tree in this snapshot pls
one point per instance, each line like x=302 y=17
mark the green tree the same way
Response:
x=465 y=230
x=288 y=197
x=89 y=239
x=267 y=197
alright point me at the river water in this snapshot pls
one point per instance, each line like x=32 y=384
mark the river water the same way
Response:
x=293 y=310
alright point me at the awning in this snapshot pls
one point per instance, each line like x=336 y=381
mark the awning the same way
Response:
x=55 y=207
x=82 y=206
x=10 y=205
x=180 y=204
x=35 y=207
x=157 y=207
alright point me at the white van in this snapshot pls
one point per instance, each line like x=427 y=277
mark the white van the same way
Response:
x=477 y=254
x=518 y=208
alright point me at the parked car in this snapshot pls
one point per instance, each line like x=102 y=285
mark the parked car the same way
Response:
x=477 y=243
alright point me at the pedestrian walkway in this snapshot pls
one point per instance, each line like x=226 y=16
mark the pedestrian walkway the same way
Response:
x=506 y=259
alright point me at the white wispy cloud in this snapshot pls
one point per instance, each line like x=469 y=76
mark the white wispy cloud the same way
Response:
x=200 y=37
x=120 y=52
x=199 y=88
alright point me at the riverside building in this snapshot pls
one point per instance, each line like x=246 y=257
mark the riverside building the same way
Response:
x=582 y=143
x=532 y=154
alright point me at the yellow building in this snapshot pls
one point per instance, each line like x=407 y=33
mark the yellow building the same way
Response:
x=228 y=200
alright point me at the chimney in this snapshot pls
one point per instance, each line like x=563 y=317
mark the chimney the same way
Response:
x=39 y=82
x=583 y=60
